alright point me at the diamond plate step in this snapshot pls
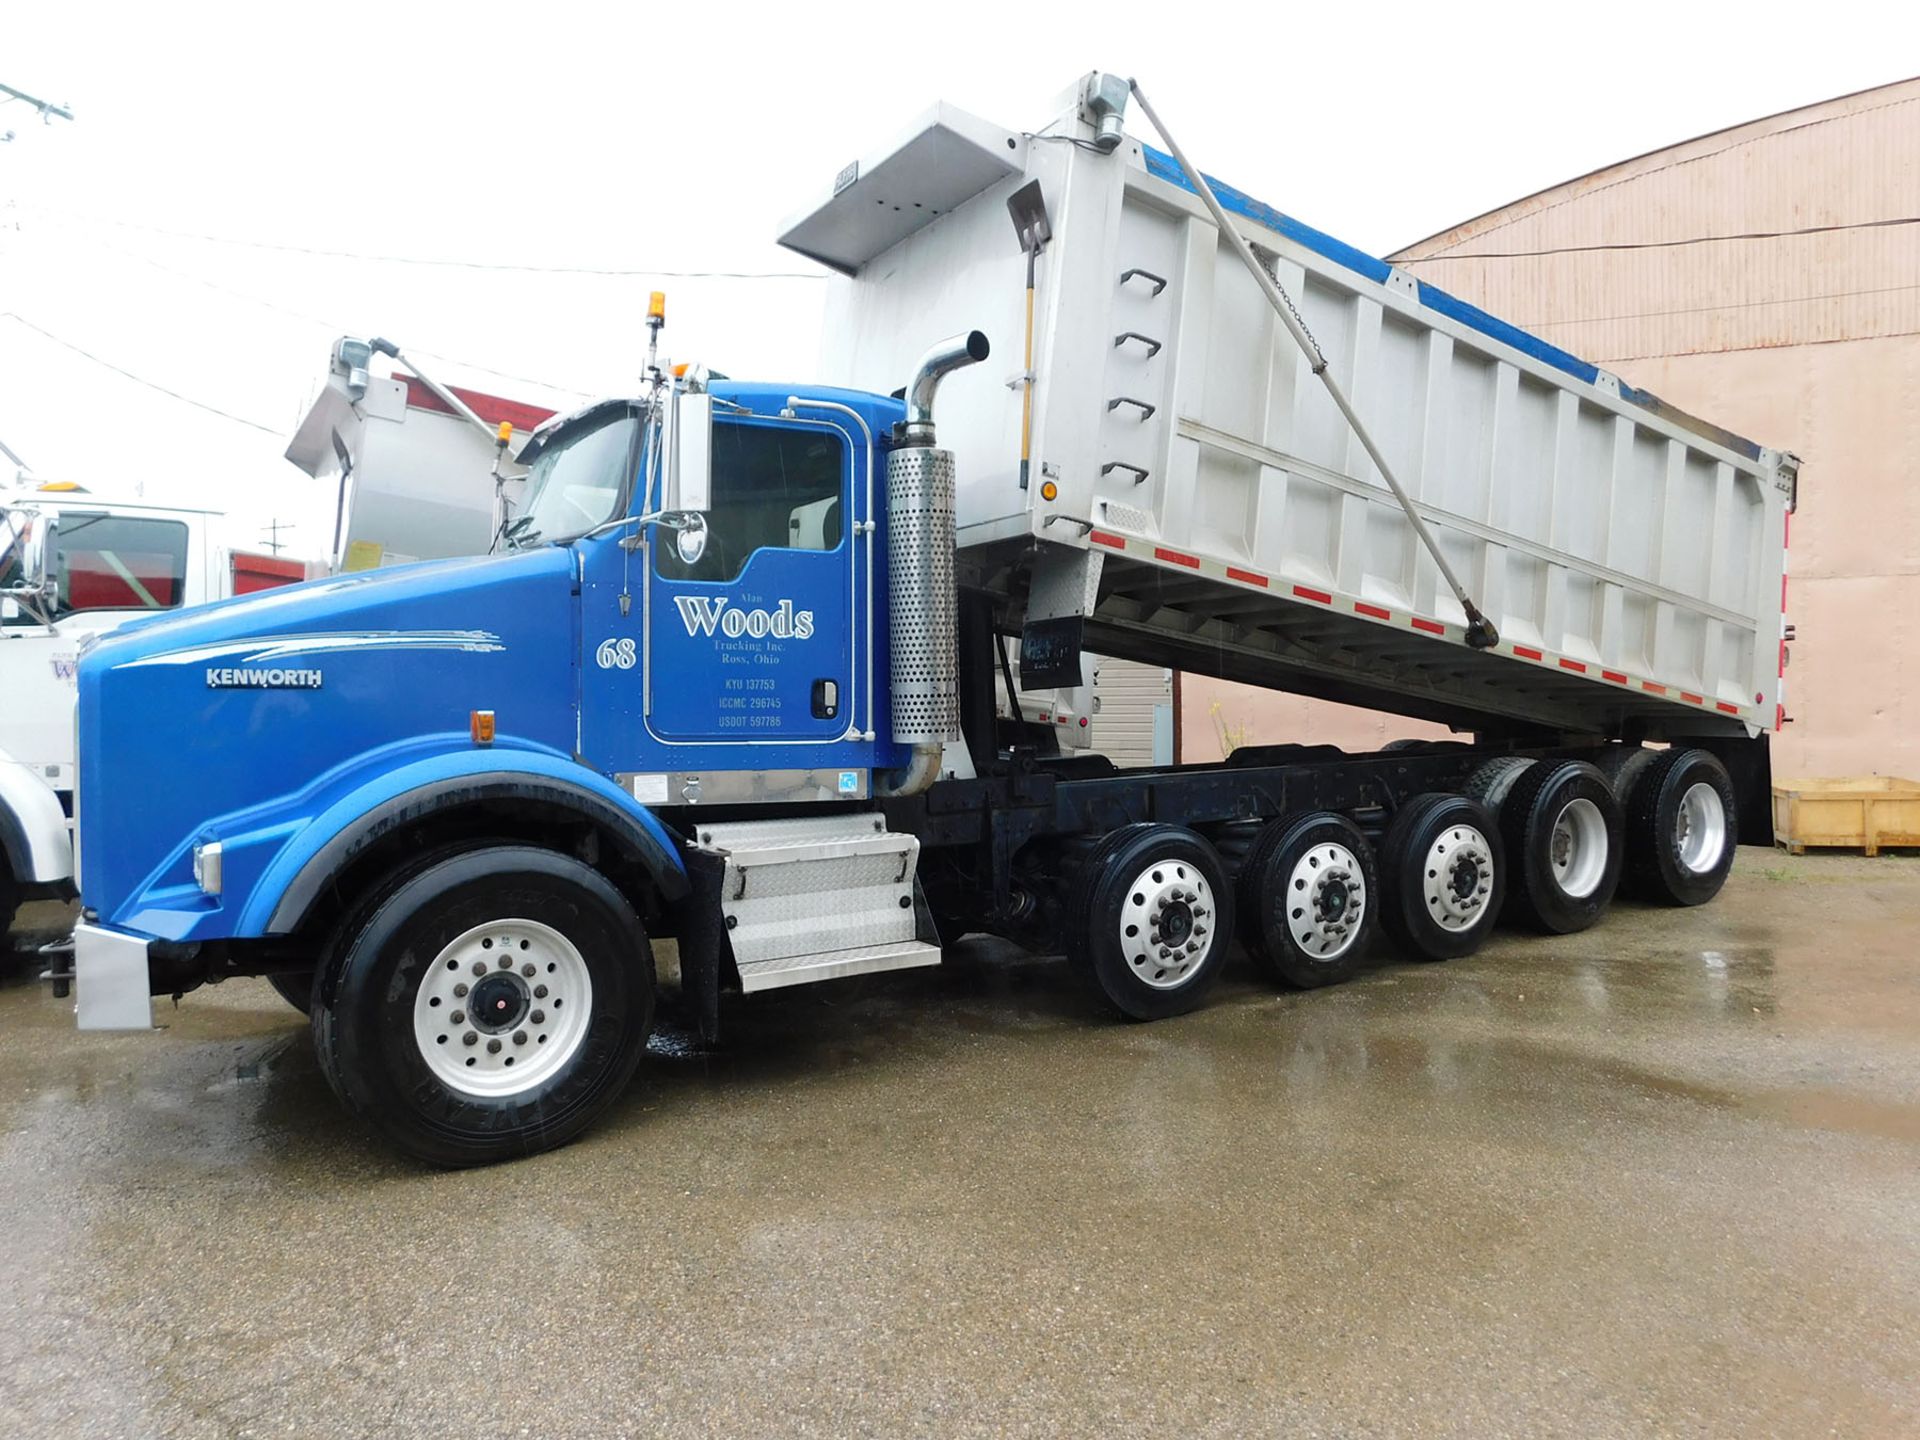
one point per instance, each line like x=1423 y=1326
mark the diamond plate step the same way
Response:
x=858 y=960
x=817 y=897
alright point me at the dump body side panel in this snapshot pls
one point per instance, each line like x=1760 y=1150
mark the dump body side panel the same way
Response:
x=1629 y=555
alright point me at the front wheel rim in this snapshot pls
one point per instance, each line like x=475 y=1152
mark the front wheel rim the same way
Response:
x=1577 y=848
x=1326 y=902
x=1700 y=829
x=1168 y=924
x=1457 y=878
x=502 y=1008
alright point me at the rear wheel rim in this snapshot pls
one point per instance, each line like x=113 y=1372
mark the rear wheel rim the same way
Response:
x=1577 y=848
x=1457 y=878
x=1168 y=924
x=1700 y=829
x=1326 y=902
x=502 y=1008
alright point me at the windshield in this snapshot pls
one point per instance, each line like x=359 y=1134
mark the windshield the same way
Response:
x=576 y=482
x=103 y=562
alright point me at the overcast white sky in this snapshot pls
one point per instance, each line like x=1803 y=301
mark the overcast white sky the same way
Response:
x=656 y=137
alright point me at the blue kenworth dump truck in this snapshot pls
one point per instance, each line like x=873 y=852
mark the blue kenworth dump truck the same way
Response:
x=728 y=677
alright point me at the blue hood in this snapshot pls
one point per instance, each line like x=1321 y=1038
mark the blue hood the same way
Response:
x=240 y=720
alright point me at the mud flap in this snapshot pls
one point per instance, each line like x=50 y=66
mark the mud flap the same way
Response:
x=1060 y=595
x=703 y=941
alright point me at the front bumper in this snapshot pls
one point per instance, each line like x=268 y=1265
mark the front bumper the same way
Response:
x=110 y=979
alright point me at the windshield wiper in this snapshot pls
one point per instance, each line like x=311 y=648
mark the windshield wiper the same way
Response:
x=517 y=533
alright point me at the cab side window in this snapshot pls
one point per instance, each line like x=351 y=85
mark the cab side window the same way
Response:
x=778 y=487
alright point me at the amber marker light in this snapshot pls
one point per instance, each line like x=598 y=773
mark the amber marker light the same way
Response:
x=1049 y=490
x=480 y=726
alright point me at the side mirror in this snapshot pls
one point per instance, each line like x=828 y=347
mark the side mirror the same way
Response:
x=689 y=453
x=26 y=560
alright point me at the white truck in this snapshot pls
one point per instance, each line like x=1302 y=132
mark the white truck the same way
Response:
x=412 y=473
x=106 y=560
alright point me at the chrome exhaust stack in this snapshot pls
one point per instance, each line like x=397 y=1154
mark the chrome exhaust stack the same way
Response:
x=923 y=614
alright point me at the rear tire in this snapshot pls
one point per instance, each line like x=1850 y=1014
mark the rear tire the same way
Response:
x=1308 y=900
x=1681 y=828
x=1561 y=827
x=1148 y=919
x=1443 y=876
x=529 y=931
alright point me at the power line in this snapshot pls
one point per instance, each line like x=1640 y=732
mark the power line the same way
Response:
x=138 y=379
x=1663 y=244
x=326 y=324
x=441 y=263
x=1730 y=305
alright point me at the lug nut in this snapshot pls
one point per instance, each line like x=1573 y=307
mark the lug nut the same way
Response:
x=527 y=970
x=459 y=989
x=469 y=1038
x=493 y=1047
x=479 y=967
x=459 y=1017
x=519 y=1037
x=506 y=962
x=539 y=992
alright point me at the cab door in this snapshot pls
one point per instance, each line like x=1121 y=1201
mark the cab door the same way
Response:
x=752 y=644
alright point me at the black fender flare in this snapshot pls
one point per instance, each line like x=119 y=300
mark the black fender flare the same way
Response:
x=648 y=843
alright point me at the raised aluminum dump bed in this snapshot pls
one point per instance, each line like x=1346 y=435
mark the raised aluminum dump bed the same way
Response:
x=1198 y=499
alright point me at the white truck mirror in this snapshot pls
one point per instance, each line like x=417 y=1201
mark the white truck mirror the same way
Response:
x=26 y=559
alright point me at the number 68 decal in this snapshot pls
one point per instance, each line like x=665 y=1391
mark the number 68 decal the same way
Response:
x=614 y=655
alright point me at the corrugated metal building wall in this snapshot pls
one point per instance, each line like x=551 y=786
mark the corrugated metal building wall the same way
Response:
x=1135 y=701
x=1766 y=277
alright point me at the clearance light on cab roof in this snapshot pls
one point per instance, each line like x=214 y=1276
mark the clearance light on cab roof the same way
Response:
x=657 y=305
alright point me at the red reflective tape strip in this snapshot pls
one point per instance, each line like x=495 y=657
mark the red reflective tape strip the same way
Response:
x=1305 y=594
x=1247 y=577
x=1652 y=688
x=1786 y=528
x=1783 y=659
x=1160 y=552
x=1566 y=664
x=1432 y=627
x=1783 y=594
x=1374 y=610
x=1779 y=717
x=1525 y=654
x=1692 y=699
x=1101 y=537
x=1614 y=675
x=1723 y=706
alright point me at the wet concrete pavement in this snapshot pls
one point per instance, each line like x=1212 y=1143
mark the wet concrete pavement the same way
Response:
x=1661 y=1178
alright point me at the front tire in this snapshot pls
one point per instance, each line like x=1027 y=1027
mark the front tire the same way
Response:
x=296 y=988
x=446 y=1027
x=1148 y=919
